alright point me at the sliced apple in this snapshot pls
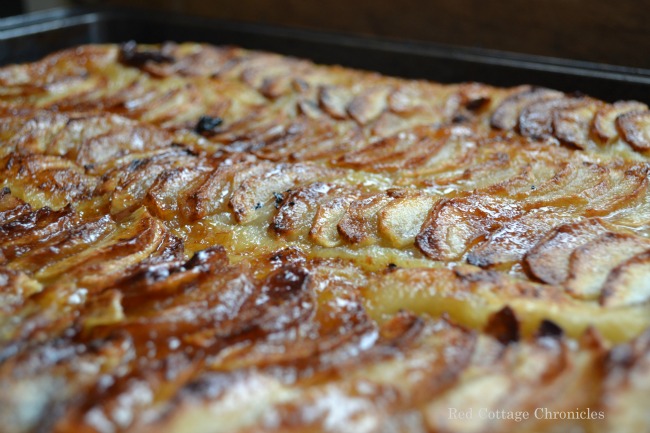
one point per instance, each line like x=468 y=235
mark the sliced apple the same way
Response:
x=573 y=186
x=452 y=225
x=324 y=231
x=401 y=220
x=572 y=124
x=506 y=116
x=628 y=283
x=516 y=237
x=334 y=101
x=635 y=129
x=590 y=264
x=359 y=224
x=297 y=208
x=257 y=191
x=536 y=119
x=369 y=104
x=604 y=127
x=548 y=261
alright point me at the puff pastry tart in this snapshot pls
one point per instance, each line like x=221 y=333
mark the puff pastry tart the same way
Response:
x=210 y=239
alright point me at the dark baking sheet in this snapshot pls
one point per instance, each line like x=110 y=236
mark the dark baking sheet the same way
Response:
x=29 y=37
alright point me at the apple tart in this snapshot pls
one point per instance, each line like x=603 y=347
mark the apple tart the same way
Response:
x=212 y=239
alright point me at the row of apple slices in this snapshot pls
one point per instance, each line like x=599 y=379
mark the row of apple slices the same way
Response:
x=580 y=121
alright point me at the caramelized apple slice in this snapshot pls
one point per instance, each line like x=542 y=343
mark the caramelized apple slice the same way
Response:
x=137 y=239
x=328 y=141
x=257 y=191
x=129 y=185
x=489 y=168
x=626 y=187
x=324 y=231
x=334 y=101
x=516 y=237
x=549 y=259
x=33 y=132
x=162 y=198
x=259 y=71
x=17 y=286
x=44 y=180
x=528 y=178
x=405 y=150
x=591 y=263
x=604 y=126
x=56 y=246
x=96 y=139
x=469 y=100
x=212 y=192
x=452 y=225
x=409 y=98
x=635 y=212
x=11 y=207
x=299 y=139
x=359 y=224
x=635 y=129
x=297 y=208
x=536 y=120
x=628 y=283
x=572 y=125
x=369 y=104
x=573 y=186
x=401 y=220
x=25 y=233
x=506 y=115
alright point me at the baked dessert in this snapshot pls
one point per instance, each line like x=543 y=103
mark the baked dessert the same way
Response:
x=210 y=239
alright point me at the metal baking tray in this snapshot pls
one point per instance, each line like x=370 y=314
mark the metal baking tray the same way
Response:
x=32 y=36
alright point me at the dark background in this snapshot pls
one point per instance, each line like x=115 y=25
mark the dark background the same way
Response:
x=615 y=32
x=605 y=31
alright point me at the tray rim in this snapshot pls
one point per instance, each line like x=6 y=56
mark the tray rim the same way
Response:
x=39 y=22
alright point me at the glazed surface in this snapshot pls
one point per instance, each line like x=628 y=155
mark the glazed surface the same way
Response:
x=199 y=238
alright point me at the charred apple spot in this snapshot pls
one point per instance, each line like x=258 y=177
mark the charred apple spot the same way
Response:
x=460 y=118
x=504 y=326
x=208 y=125
x=403 y=328
x=132 y=56
x=287 y=282
x=548 y=328
x=287 y=256
x=211 y=257
x=477 y=104
x=279 y=198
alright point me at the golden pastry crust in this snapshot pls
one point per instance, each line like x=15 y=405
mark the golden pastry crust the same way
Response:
x=199 y=238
